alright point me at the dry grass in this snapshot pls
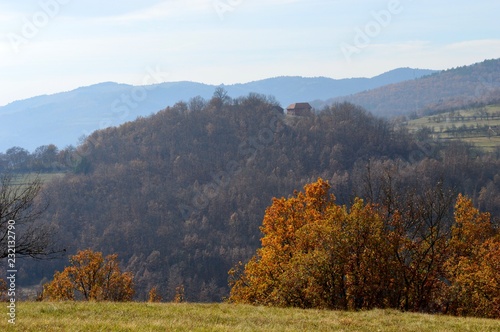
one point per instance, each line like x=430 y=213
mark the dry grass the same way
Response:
x=71 y=316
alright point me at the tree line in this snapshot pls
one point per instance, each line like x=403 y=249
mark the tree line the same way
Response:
x=45 y=159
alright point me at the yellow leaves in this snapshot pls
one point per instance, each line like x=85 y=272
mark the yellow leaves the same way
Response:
x=472 y=227
x=283 y=219
x=316 y=195
x=473 y=266
x=92 y=277
x=316 y=253
x=179 y=294
x=482 y=273
x=310 y=244
x=286 y=216
x=60 y=289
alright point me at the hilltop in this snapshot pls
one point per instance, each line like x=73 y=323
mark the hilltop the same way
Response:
x=63 y=118
x=446 y=90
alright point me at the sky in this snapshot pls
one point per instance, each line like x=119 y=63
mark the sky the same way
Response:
x=49 y=46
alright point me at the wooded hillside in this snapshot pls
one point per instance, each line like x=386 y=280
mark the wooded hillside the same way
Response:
x=180 y=195
x=447 y=90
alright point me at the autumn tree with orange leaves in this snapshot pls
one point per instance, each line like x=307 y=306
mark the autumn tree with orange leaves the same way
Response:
x=317 y=254
x=91 y=277
x=473 y=266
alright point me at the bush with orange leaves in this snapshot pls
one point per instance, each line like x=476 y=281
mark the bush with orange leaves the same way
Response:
x=473 y=266
x=91 y=277
x=317 y=254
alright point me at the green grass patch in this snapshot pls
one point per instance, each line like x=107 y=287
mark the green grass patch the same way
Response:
x=135 y=316
x=482 y=131
x=24 y=179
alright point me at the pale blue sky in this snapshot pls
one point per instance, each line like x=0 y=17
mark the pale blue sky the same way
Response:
x=48 y=46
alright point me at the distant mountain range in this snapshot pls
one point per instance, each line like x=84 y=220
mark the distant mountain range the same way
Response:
x=446 y=90
x=63 y=118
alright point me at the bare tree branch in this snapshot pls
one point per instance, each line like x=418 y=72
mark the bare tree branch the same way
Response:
x=20 y=201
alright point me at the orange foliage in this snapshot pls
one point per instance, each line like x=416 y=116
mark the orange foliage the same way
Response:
x=179 y=294
x=317 y=254
x=154 y=296
x=473 y=267
x=92 y=277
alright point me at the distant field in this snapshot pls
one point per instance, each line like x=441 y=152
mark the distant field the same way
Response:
x=479 y=126
x=71 y=316
x=23 y=179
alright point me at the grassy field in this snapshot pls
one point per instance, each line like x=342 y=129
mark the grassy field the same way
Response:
x=71 y=316
x=21 y=181
x=445 y=126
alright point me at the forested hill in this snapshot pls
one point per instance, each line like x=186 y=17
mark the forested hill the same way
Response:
x=446 y=90
x=62 y=118
x=180 y=195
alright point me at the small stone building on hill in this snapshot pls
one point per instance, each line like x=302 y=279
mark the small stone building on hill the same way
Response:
x=299 y=109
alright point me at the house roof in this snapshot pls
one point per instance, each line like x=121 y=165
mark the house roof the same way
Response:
x=299 y=106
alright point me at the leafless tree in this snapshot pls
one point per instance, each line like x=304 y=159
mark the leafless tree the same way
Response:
x=21 y=208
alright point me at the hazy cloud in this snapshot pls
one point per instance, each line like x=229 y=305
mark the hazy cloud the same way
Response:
x=91 y=41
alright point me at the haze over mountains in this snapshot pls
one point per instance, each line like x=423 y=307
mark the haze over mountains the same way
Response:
x=63 y=118
x=449 y=89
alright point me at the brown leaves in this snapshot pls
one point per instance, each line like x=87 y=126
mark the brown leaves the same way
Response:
x=154 y=296
x=318 y=254
x=91 y=277
x=473 y=266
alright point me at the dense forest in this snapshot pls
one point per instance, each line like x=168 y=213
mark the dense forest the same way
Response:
x=180 y=195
